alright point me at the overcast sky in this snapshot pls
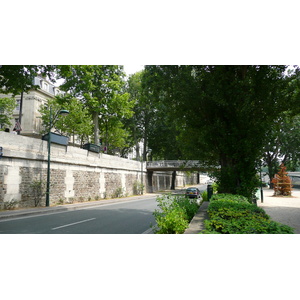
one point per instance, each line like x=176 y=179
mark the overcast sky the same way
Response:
x=131 y=69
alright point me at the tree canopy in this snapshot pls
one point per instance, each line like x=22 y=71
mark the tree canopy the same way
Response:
x=16 y=79
x=101 y=90
x=7 y=105
x=223 y=113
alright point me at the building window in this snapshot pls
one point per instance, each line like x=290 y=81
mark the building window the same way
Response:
x=57 y=91
x=45 y=86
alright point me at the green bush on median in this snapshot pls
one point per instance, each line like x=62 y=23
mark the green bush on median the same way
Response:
x=231 y=214
x=174 y=213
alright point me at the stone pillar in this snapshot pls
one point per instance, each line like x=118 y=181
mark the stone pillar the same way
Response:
x=150 y=181
x=12 y=180
x=69 y=181
x=173 y=180
x=102 y=185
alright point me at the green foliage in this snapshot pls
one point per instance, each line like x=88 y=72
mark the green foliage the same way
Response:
x=232 y=214
x=7 y=106
x=12 y=204
x=77 y=123
x=38 y=189
x=174 y=214
x=204 y=196
x=282 y=143
x=118 y=192
x=215 y=187
x=223 y=113
x=19 y=78
x=138 y=188
x=101 y=90
x=237 y=198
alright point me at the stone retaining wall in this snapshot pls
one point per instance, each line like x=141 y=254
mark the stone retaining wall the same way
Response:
x=76 y=174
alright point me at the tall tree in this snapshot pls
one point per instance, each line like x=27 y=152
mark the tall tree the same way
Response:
x=100 y=88
x=282 y=144
x=7 y=106
x=78 y=123
x=228 y=109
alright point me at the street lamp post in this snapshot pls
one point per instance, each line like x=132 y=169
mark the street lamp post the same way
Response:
x=52 y=121
x=261 y=189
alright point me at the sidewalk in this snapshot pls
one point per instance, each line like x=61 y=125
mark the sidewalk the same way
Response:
x=285 y=210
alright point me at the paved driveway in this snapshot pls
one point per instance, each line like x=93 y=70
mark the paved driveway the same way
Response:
x=285 y=210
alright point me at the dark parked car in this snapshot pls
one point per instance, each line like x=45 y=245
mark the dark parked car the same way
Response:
x=193 y=192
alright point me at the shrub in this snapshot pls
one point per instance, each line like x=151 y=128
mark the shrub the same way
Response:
x=118 y=193
x=138 y=188
x=174 y=214
x=12 y=204
x=215 y=187
x=232 y=215
x=38 y=188
x=232 y=197
x=204 y=196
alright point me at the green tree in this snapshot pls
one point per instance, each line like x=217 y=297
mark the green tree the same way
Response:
x=100 y=88
x=116 y=137
x=228 y=109
x=150 y=123
x=7 y=106
x=77 y=123
x=16 y=79
x=135 y=124
x=282 y=144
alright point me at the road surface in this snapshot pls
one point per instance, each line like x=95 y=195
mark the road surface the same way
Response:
x=131 y=217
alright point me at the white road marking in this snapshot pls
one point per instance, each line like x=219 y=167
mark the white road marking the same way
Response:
x=71 y=224
x=147 y=231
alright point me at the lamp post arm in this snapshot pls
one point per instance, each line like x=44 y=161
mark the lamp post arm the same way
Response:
x=48 y=162
x=52 y=121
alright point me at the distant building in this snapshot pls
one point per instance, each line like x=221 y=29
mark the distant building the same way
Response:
x=31 y=122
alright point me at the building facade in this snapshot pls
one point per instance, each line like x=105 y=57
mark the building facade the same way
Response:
x=31 y=123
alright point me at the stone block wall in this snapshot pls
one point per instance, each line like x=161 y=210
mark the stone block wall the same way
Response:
x=76 y=174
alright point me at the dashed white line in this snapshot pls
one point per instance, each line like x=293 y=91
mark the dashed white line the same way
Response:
x=71 y=224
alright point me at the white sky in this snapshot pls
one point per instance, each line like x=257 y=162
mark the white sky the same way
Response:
x=131 y=69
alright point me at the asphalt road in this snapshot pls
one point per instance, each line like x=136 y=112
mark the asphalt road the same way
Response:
x=130 y=217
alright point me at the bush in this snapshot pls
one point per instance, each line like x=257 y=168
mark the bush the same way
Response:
x=38 y=189
x=138 y=188
x=233 y=215
x=232 y=197
x=174 y=214
x=204 y=196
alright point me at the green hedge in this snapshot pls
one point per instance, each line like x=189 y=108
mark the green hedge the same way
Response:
x=238 y=198
x=174 y=213
x=232 y=214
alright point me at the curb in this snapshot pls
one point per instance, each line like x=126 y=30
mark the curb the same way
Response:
x=197 y=223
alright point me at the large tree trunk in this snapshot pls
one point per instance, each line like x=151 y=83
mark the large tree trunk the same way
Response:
x=237 y=176
x=96 y=128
